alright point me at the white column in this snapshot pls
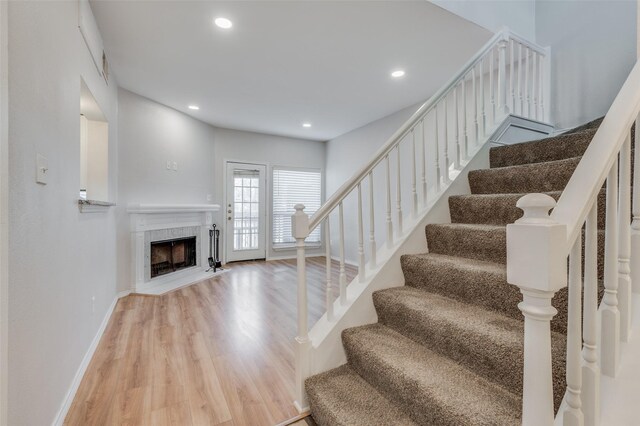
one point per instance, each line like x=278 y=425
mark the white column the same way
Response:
x=590 y=366
x=610 y=315
x=300 y=227
x=635 y=225
x=624 y=240
x=372 y=227
x=536 y=263
x=503 y=109
x=573 y=414
x=329 y=286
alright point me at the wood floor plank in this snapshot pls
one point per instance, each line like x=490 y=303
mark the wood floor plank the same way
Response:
x=218 y=352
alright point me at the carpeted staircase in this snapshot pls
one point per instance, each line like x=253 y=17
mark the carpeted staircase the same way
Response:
x=448 y=345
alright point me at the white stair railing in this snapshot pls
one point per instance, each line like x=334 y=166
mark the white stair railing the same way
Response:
x=440 y=138
x=538 y=246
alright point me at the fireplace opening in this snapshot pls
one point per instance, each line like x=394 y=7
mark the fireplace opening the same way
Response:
x=172 y=255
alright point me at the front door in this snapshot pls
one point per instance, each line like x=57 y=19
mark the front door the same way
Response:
x=245 y=211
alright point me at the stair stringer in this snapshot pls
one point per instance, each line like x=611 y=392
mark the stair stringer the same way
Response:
x=326 y=341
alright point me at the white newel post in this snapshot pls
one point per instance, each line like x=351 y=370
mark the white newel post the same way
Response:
x=537 y=264
x=300 y=227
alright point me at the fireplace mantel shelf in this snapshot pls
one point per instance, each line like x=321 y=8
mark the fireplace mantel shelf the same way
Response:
x=171 y=208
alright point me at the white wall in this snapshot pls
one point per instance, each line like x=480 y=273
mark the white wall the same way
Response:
x=151 y=133
x=518 y=15
x=235 y=145
x=593 y=48
x=59 y=257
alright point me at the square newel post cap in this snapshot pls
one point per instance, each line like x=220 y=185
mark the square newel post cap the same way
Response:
x=536 y=247
x=300 y=223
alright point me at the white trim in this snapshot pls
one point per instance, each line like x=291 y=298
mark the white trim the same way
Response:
x=4 y=210
x=346 y=261
x=172 y=208
x=77 y=379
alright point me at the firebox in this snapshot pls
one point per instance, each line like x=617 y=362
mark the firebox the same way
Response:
x=171 y=255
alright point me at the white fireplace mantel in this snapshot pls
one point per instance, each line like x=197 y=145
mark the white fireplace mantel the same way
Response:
x=171 y=208
x=146 y=218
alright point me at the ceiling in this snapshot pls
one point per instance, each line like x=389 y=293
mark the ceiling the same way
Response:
x=285 y=62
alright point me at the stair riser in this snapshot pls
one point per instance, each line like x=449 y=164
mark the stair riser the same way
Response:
x=543 y=177
x=488 y=245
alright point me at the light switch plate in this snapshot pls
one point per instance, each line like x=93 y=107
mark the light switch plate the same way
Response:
x=175 y=166
x=42 y=169
x=168 y=164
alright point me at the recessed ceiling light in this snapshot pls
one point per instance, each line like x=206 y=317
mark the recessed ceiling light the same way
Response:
x=223 y=23
x=194 y=107
x=397 y=74
x=306 y=124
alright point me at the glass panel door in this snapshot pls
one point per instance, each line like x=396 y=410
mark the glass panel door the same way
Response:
x=245 y=211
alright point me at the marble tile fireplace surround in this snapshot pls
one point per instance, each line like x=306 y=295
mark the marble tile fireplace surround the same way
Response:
x=153 y=223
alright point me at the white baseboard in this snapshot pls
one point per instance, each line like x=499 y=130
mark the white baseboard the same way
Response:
x=75 y=384
x=346 y=261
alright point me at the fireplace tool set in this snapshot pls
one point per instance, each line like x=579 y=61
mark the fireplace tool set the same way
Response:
x=214 y=257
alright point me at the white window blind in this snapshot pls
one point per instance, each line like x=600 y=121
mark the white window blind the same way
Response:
x=291 y=187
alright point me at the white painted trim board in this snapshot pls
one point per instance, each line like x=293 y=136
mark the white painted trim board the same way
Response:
x=77 y=379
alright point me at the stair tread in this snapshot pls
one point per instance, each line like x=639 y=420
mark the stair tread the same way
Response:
x=486 y=341
x=431 y=388
x=341 y=397
x=523 y=178
x=493 y=209
x=553 y=148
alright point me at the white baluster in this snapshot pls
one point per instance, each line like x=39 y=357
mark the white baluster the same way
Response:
x=475 y=106
x=541 y=87
x=511 y=76
x=520 y=85
x=527 y=83
x=437 y=156
x=635 y=225
x=343 y=273
x=361 y=261
x=372 y=227
x=534 y=84
x=456 y=112
x=398 y=193
x=447 y=178
x=573 y=414
x=424 y=162
x=539 y=276
x=482 y=104
x=590 y=366
x=624 y=241
x=610 y=315
x=492 y=97
x=389 y=221
x=503 y=109
x=300 y=231
x=464 y=118
x=327 y=243
x=414 y=190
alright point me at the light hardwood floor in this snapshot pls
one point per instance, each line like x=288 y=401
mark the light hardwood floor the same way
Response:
x=219 y=352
